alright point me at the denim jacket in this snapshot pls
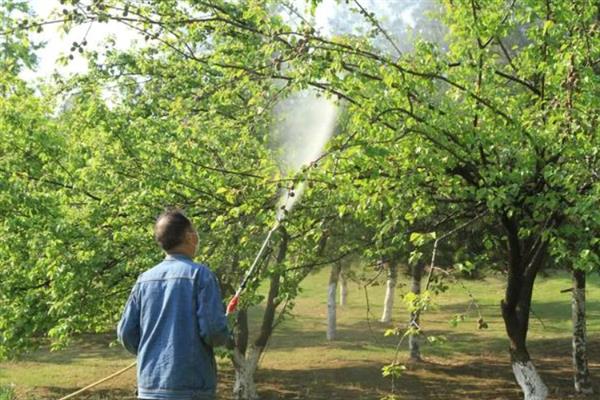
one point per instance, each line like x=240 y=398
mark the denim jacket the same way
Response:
x=172 y=320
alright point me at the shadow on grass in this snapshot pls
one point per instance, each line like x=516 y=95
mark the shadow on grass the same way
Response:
x=459 y=342
x=438 y=378
x=85 y=346
x=550 y=319
x=363 y=335
x=420 y=381
x=484 y=379
x=480 y=365
x=350 y=382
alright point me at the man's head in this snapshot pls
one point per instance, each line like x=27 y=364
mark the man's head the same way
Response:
x=175 y=233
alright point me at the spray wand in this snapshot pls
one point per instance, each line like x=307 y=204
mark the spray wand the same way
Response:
x=292 y=196
x=232 y=306
x=307 y=131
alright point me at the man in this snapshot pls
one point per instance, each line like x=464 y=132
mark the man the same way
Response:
x=174 y=317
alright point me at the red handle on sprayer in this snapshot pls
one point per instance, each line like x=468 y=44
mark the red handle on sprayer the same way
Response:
x=232 y=306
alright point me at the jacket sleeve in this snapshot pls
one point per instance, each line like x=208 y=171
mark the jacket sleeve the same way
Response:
x=212 y=322
x=128 y=330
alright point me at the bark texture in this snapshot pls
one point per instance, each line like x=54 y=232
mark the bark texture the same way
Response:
x=331 y=301
x=244 y=387
x=582 y=382
x=343 y=288
x=530 y=381
x=390 y=289
x=246 y=358
x=415 y=287
x=525 y=258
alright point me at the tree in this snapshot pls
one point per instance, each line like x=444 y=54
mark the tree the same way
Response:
x=390 y=287
x=17 y=49
x=581 y=376
x=344 y=286
x=332 y=301
x=415 y=288
x=473 y=129
x=178 y=132
x=489 y=130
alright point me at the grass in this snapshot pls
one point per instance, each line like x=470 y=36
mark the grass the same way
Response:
x=7 y=393
x=301 y=364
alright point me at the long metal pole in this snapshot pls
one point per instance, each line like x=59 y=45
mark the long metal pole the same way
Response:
x=231 y=307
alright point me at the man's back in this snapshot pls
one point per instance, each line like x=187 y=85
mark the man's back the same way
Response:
x=172 y=320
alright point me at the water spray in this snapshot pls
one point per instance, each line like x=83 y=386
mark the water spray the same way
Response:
x=302 y=136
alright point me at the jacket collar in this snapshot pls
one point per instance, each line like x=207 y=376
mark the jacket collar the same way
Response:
x=176 y=256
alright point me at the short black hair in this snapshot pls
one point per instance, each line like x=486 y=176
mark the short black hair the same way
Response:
x=170 y=228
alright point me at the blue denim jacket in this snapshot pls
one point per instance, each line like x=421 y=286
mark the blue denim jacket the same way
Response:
x=172 y=320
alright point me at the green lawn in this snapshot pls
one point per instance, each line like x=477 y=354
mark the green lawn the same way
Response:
x=301 y=363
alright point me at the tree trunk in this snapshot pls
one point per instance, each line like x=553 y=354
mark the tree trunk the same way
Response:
x=525 y=259
x=244 y=387
x=516 y=320
x=343 y=288
x=388 y=304
x=245 y=360
x=331 y=301
x=415 y=287
x=530 y=381
x=582 y=381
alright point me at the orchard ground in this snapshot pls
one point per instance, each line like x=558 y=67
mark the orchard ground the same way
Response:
x=301 y=364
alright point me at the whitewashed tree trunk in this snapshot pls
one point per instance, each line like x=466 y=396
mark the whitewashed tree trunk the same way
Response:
x=245 y=359
x=415 y=287
x=524 y=262
x=343 y=289
x=245 y=366
x=331 y=301
x=529 y=380
x=244 y=387
x=581 y=376
x=388 y=304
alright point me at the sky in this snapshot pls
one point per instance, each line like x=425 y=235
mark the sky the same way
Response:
x=57 y=42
